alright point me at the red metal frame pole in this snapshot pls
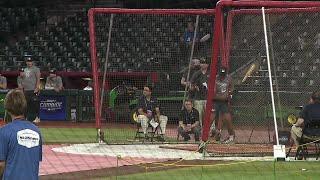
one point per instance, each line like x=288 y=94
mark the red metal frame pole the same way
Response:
x=213 y=72
x=94 y=65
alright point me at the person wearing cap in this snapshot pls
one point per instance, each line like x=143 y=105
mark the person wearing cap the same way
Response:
x=221 y=110
x=3 y=82
x=54 y=82
x=30 y=82
x=199 y=86
x=89 y=86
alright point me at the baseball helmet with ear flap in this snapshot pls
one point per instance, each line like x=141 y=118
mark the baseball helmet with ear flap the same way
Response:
x=223 y=71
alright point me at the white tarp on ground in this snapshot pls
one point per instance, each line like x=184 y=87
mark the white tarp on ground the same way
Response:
x=152 y=151
x=140 y=151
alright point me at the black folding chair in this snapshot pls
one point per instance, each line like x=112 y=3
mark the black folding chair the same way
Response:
x=152 y=132
x=307 y=140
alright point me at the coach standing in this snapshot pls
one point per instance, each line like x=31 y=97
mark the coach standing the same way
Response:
x=31 y=85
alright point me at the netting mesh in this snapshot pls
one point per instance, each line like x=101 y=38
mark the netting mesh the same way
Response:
x=293 y=47
x=148 y=49
x=147 y=43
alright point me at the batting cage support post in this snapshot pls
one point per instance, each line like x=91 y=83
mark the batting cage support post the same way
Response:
x=279 y=150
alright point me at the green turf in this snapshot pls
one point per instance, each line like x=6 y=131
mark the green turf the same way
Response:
x=83 y=135
x=88 y=135
x=236 y=171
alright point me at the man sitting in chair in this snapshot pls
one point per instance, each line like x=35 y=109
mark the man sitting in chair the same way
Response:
x=310 y=114
x=189 y=122
x=149 y=113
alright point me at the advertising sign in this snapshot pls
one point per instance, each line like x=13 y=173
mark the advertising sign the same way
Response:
x=52 y=107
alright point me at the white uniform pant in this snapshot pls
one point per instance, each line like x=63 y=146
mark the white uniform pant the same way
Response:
x=144 y=121
x=200 y=105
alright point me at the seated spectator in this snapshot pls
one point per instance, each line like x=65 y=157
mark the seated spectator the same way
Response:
x=148 y=110
x=54 y=82
x=3 y=82
x=189 y=122
x=309 y=114
x=186 y=45
x=189 y=34
x=89 y=86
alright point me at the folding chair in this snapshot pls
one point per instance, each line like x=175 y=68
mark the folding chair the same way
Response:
x=152 y=132
x=307 y=140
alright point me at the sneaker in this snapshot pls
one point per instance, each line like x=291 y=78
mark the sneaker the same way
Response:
x=217 y=136
x=229 y=141
x=161 y=138
x=36 y=120
x=187 y=138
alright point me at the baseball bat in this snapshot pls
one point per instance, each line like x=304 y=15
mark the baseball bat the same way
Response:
x=249 y=72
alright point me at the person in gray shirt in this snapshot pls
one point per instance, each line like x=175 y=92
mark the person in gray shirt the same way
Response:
x=30 y=83
x=3 y=82
x=54 y=82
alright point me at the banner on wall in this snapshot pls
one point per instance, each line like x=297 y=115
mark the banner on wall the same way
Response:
x=52 y=107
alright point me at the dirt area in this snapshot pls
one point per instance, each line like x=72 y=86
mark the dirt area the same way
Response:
x=124 y=170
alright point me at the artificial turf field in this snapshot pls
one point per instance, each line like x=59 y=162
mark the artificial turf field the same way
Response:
x=184 y=170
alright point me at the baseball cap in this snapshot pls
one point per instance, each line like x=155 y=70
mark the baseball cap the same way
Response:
x=52 y=71
x=204 y=61
x=28 y=58
x=223 y=69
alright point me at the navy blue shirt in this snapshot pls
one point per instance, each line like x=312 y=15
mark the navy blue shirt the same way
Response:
x=188 y=36
x=21 y=149
x=189 y=117
x=147 y=105
x=310 y=114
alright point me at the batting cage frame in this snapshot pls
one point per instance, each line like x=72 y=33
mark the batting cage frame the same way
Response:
x=93 y=45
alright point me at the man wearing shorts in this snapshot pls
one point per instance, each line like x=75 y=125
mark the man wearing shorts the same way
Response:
x=221 y=108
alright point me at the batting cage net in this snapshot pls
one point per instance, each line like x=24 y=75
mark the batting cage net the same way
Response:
x=293 y=54
x=271 y=56
x=147 y=51
x=262 y=68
